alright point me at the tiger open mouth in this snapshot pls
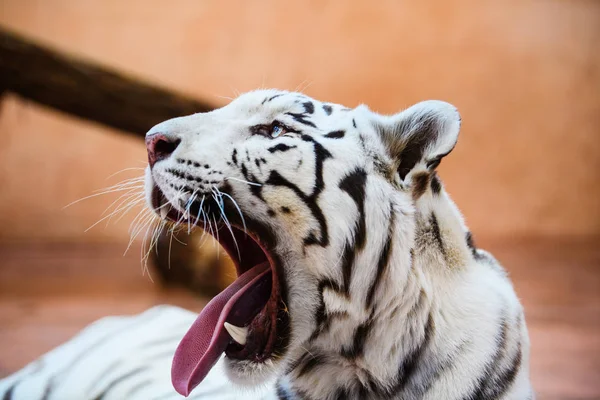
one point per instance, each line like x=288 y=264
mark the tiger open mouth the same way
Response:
x=246 y=321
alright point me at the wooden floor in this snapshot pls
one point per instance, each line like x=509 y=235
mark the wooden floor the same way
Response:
x=49 y=292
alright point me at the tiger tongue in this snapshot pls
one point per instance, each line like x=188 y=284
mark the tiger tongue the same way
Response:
x=206 y=340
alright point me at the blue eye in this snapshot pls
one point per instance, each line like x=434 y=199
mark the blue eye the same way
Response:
x=276 y=131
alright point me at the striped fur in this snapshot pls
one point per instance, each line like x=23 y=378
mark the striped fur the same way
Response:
x=388 y=297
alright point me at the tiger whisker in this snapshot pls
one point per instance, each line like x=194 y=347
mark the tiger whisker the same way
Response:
x=143 y=218
x=126 y=210
x=217 y=231
x=109 y=216
x=126 y=169
x=102 y=193
x=225 y=219
x=188 y=210
x=242 y=180
x=238 y=210
x=126 y=182
x=127 y=194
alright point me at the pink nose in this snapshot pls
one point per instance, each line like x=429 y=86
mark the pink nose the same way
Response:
x=160 y=147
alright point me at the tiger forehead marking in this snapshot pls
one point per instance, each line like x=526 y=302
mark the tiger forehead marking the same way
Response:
x=383 y=292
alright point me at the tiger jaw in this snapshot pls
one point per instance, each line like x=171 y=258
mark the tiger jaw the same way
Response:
x=248 y=321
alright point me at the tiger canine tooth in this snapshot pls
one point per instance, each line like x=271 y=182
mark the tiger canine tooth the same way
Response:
x=238 y=334
x=163 y=212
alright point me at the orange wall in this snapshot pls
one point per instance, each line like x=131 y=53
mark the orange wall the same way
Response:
x=524 y=74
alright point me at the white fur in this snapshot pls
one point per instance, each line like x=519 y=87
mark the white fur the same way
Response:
x=460 y=293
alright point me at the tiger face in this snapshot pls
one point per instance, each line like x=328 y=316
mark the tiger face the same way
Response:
x=313 y=202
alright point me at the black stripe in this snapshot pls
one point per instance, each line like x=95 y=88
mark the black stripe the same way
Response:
x=266 y=100
x=341 y=394
x=436 y=184
x=296 y=363
x=506 y=377
x=428 y=373
x=314 y=360
x=471 y=242
x=384 y=258
x=321 y=154
x=301 y=118
x=331 y=316
x=282 y=394
x=358 y=342
x=355 y=185
x=411 y=361
x=353 y=122
x=320 y=314
x=362 y=391
x=234 y=156
x=37 y=366
x=418 y=306
x=335 y=134
x=9 y=393
x=406 y=386
x=348 y=265
x=492 y=365
x=435 y=162
x=471 y=245
x=302 y=395
x=327 y=108
x=276 y=179
x=280 y=147
x=105 y=372
x=435 y=230
x=411 y=155
x=420 y=182
x=256 y=190
x=309 y=107
x=86 y=352
x=111 y=385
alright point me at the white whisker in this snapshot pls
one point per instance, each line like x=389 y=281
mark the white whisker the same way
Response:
x=126 y=169
x=225 y=219
x=237 y=208
x=102 y=193
x=241 y=180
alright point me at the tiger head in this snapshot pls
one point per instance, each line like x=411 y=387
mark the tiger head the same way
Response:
x=315 y=204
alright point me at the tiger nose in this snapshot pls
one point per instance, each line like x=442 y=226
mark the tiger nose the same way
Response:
x=160 y=146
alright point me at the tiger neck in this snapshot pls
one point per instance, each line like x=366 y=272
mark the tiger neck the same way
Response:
x=370 y=327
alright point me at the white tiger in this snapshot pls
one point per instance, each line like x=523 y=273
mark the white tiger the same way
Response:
x=357 y=277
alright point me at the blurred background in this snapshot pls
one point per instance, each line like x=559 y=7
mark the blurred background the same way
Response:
x=525 y=76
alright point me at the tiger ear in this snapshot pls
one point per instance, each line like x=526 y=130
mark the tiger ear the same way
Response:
x=420 y=136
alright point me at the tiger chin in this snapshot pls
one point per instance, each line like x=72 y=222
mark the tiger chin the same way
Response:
x=357 y=277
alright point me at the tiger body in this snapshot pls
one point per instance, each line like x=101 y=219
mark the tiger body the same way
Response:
x=383 y=292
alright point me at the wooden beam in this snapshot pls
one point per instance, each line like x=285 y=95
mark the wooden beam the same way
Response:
x=100 y=94
x=87 y=90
